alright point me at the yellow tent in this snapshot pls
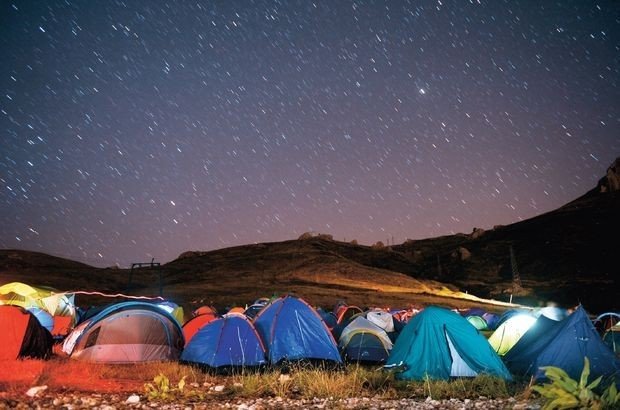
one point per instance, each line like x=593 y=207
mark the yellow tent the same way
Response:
x=26 y=296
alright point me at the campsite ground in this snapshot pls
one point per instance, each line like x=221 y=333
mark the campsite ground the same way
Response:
x=72 y=385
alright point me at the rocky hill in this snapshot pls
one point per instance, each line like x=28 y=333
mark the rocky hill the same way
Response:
x=566 y=256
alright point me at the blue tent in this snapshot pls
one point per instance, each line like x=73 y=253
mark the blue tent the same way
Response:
x=226 y=343
x=328 y=317
x=439 y=343
x=45 y=319
x=292 y=330
x=562 y=344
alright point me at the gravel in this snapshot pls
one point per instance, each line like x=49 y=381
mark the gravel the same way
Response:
x=69 y=401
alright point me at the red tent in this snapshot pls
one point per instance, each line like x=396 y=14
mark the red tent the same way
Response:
x=195 y=324
x=22 y=335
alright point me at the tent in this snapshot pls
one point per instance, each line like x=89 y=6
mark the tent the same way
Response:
x=606 y=321
x=478 y=322
x=253 y=310
x=552 y=312
x=346 y=312
x=256 y=307
x=195 y=324
x=292 y=330
x=45 y=319
x=381 y=318
x=328 y=317
x=230 y=342
x=509 y=332
x=364 y=341
x=127 y=332
x=205 y=310
x=22 y=335
x=61 y=306
x=562 y=344
x=510 y=313
x=20 y=294
x=175 y=310
x=438 y=343
x=492 y=320
x=612 y=339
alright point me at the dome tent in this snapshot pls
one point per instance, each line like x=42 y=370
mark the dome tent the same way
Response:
x=192 y=326
x=292 y=330
x=127 y=332
x=60 y=305
x=439 y=344
x=562 y=344
x=22 y=335
x=363 y=341
x=508 y=333
x=230 y=342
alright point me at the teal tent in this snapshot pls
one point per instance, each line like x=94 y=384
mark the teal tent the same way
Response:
x=439 y=344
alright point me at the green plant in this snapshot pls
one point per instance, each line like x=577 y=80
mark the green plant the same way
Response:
x=162 y=390
x=610 y=397
x=566 y=393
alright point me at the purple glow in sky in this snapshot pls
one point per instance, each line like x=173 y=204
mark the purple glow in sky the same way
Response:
x=139 y=129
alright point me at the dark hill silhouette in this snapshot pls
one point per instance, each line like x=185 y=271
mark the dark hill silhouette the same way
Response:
x=565 y=256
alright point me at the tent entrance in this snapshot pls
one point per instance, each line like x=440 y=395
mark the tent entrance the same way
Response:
x=459 y=368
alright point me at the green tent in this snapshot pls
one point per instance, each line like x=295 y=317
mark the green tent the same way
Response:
x=439 y=344
x=509 y=332
x=478 y=322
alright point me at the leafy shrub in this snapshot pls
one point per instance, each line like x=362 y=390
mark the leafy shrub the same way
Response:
x=565 y=393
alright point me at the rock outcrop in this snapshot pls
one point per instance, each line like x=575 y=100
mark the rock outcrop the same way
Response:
x=611 y=181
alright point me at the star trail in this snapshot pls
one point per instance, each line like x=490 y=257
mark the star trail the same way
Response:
x=140 y=129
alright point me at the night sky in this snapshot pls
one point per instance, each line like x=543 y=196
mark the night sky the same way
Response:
x=140 y=129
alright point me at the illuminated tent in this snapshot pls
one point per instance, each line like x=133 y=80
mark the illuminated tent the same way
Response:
x=292 y=330
x=21 y=335
x=364 y=341
x=552 y=312
x=20 y=294
x=61 y=306
x=127 y=332
x=228 y=343
x=509 y=332
x=439 y=344
x=562 y=344
x=175 y=310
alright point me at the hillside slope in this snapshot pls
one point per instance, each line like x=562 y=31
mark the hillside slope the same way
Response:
x=565 y=256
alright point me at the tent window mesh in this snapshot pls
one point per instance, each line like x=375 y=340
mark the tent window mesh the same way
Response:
x=92 y=338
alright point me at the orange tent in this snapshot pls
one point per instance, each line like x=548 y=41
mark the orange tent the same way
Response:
x=192 y=326
x=22 y=335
